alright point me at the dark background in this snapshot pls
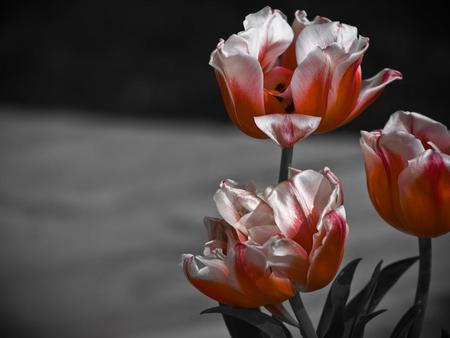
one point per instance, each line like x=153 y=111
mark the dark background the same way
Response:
x=149 y=59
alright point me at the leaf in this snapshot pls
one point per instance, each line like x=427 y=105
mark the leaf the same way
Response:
x=405 y=323
x=279 y=312
x=267 y=324
x=332 y=314
x=388 y=277
x=359 y=328
x=362 y=302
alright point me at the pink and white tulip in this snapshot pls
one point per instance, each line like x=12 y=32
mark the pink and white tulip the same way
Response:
x=310 y=70
x=271 y=244
x=408 y=173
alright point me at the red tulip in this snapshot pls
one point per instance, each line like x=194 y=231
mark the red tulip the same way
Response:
x=270 y=245
x=408 y=173
x=311 y=69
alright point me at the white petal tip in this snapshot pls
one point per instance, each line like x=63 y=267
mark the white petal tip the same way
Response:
x=287 y=129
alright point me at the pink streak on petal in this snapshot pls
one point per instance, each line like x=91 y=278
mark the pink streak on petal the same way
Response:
x=285 y=129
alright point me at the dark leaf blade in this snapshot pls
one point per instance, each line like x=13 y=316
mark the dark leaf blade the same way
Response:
x=267 y=324
x=362 y=306
x=332 y=314
x=405 y=323
x=353 y=306
x=280 y=313
x=388 y=277
x=360 y=327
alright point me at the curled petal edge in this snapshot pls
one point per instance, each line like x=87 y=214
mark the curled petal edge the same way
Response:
x=371 y=89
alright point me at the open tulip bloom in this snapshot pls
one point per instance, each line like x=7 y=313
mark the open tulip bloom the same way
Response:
x=278 y=80
x=270 y=245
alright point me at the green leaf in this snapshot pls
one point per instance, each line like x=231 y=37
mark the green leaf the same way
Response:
x=362 y=302
x=361 y=325
x=332 y=319
x=405 y=323
x=267 y=324
x=388 y=277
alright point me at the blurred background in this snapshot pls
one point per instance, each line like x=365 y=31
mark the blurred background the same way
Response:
x=113 y=138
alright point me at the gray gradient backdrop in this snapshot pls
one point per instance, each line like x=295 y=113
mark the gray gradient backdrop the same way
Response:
x=94 y=215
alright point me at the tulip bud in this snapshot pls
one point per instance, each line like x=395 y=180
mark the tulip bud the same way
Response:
x=408 y=173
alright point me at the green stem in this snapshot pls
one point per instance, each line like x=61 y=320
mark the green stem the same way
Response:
x=423 y=285
x=306 y=327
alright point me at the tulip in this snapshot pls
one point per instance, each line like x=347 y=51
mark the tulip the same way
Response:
x=310 y=69
x=408 y=173
x=269 y=245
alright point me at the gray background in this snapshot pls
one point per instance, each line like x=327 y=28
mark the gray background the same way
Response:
x=95 y=213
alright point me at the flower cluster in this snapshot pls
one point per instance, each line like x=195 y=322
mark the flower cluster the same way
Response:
x=286 y=82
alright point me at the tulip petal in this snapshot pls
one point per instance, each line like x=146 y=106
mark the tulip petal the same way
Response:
x=425 y=194
x=337 y=196
x=399 y=147
x=371 y=89
x=220 y=235
x=422 y=127
x=346 y=36
x=277 y=93
x=212 y=280
x=241 y=82
x=231 y=199
x=328 y=250
x=262 y=233
x=277 y=79
x=293 y=171
x=378 y=179
x=313 y=37
x=310 y=83
x=287 y=129
x=287 y=258
x=288 y=58
x=259 y=223
x=289 y=215
x=269 y=35
x=345 y=84
x=226 y=207
x=255 y=277
x=317 y=194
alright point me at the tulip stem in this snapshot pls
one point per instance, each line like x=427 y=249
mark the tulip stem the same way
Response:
x=285 y=163
x=423 y=285
x=306 y=326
